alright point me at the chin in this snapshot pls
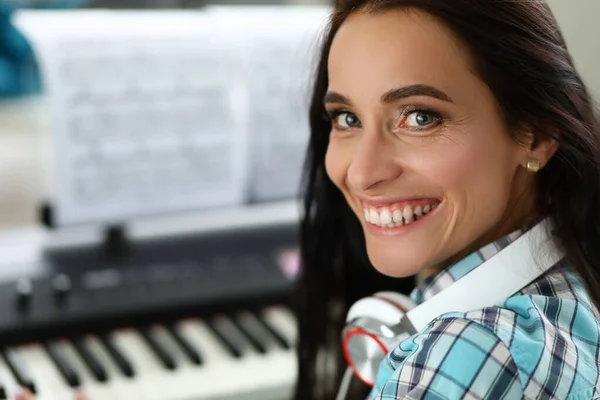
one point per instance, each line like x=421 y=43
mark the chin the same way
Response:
x=395 y=263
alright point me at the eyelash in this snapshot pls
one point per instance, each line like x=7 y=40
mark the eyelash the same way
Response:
x=402 y=115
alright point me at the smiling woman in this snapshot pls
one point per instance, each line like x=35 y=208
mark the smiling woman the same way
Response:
x=408 y=134
x=442 y=131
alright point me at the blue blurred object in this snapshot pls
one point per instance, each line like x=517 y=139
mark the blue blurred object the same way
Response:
x=49 y=4
x=18 y=69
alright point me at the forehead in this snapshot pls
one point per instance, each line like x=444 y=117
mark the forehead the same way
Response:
x=398 y=47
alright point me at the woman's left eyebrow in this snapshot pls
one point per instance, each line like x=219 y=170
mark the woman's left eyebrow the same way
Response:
x=394 y=94
x=414 y=90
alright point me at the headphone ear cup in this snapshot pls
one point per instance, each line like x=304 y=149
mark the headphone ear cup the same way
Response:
x=364 y=339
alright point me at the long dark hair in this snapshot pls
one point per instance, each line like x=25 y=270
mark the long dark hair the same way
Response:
x=520 y=53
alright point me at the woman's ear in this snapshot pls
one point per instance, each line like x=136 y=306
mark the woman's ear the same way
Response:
x=538 y=152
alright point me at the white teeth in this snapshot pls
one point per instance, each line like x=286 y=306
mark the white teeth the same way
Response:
x=385 y=217
x=408 y=213
x=418 y=211
x=374 y=217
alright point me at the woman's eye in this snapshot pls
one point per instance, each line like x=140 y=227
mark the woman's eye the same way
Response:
x=346 y=120
x=419 y=119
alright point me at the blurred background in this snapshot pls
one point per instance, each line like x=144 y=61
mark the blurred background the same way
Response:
x=28 y=146
x=24 y=113
x=150 y=160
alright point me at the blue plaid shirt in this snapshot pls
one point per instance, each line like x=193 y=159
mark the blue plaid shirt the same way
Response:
x=541 y=343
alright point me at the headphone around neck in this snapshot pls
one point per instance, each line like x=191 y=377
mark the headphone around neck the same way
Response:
x=375 y=325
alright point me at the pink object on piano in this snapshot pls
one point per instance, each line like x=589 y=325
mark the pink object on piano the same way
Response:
x=289 y=263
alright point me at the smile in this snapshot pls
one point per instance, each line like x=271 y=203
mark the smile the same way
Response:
x=399 y=214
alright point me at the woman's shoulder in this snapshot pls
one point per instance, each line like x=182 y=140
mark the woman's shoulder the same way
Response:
x=444 y=362
x=552 y=332
x=551 y=320
x=545 y=339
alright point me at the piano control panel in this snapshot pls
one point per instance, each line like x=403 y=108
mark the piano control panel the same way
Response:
x=83 y=287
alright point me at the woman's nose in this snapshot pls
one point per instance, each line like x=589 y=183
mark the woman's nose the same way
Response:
x=373 y=163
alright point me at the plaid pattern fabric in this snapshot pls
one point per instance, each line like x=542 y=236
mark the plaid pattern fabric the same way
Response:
x=541 y=343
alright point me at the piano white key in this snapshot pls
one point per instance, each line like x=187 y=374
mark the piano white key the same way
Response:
x=215 y=376
x=184 y=379
x=123 y=387
x=150 y=375
x=211 y=378
x=209 y=346
x=7 y=379
x=50 y=385
x=282 y=319
x=254 y=376
x=91 y=387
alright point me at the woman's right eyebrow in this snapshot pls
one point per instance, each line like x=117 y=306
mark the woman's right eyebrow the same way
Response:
x=334 y=97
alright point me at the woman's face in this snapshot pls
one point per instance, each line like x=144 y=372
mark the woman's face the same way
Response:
x=417 y=145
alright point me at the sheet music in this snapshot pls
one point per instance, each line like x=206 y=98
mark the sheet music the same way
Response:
x=157 y=112
x=147 y=111
x=280 y=47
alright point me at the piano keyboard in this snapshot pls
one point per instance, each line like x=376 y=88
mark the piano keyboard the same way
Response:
x=240 y=355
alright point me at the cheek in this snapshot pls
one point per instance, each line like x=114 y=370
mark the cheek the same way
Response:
x=476 y=168
x=337 y=162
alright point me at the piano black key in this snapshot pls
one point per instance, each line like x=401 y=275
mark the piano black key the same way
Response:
x=255 y=333
x=90 y=360
x=117 y=355
x=19 y=369
x=228 y=334
x=158 y=349
x=62 y=363
x=188 y=349
x=281 y=339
